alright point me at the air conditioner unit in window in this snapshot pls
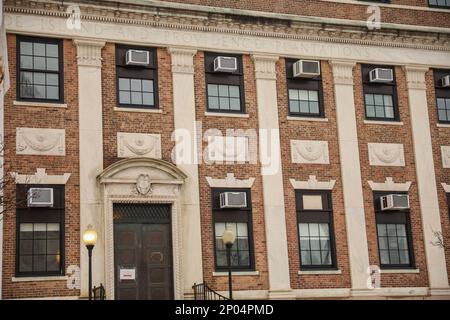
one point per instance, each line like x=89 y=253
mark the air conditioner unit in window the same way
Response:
x=40 y=197
x=306 y=69
x=394 y=202
x=137 y=58
x=233 y=200
x=381 y=75
x=225 y=64
x=446 y=81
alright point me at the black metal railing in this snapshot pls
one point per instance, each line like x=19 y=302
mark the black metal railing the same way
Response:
x=203 y=292
x=99 y=292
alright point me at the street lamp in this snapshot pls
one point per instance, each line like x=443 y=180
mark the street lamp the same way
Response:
x=228 y=238
x=89 y=240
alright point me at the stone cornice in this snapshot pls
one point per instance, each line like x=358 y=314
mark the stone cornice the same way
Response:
x=312 y=184
x=220 y=23
x=230 y=182
x=389 y=185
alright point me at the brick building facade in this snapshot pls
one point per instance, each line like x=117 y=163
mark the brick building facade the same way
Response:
x=143 y=153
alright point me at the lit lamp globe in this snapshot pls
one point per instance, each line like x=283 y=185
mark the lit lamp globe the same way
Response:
x=90 y=237
x=228 y=237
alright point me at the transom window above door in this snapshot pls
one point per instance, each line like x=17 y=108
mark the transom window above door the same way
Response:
x=39 y=68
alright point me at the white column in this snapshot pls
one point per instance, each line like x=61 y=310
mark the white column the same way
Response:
x=426 y=179
x=91 y=155
x=184 y=118
x=351 y=174
x=272 y=177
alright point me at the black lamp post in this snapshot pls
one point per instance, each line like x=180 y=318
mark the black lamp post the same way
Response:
x=89 y=239
x=228 y=239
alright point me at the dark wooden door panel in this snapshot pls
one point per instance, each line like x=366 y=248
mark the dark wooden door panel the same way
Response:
x=147 y=247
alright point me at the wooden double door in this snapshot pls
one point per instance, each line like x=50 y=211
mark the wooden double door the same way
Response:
x=143 y=252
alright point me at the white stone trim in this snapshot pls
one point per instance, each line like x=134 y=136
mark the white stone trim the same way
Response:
x=230 y=182
x=389 y=5
x=415 y=77
x=389 y=185
x=39 y=104
x=389 y=271
x=391 y=292
x=38 y=279
x=312 y=184
x=226 y=114
x=443 y=125
x=89 y=53
x=182 y=60
x=236 y=273
x=384 y=123
x=321 y=293
x=446 y=187
x=40 y=177
x=141 y=110
x=318 y=272
x=133 y=144
x=265 y=66
x=292 y=118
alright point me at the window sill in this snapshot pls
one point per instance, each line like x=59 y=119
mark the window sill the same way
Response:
x=386 y=123
x=387 y=271
x=306 y=272
x=223 y=114
x=443 y=125
x=34 y=279
x=236 y=273
x=137 y=110
x=39 y=104
x=307 y=119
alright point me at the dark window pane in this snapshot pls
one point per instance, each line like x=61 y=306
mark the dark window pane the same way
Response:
x=39 y=247
x=53 y=246
x=26 y=247
x=53 y=263
x=39 y=263
x=26 y=264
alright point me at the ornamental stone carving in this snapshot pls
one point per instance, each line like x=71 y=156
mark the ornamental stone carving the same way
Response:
x=390 y=185
x=312 y=184
x=182 y=60
x=446 y=187
x=386 y=154
x=228 y=149
x=145 y=145
x=265 y=67
x=143 y=184
x=230 y=182
x=39 y=141
x=40 y=177
x=445 y=150
x=309 y=151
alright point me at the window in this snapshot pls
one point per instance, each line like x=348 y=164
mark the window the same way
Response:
x=137 y=85
x=439 y=3
x=40 y=235
x=315 y=228
x=442 y=96
x=394 y=236
x=380 y=99
x=305 y=95
x=239 y=220
x=39 y=69
x=225 y=91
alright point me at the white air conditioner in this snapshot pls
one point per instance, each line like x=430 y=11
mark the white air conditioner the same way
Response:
x=225 y=64
x=233 y=200
x=137 y=58
x=446 y=81
x=381 y=75
x=394 y=202
x=40 y=197
x=306 y=69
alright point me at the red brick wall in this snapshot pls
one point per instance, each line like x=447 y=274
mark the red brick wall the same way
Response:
x=336 y=10
x=127 y=121
x=42 y=117
x=219 y=171
x=307 y=130
x=374 y=133
x=440 y=137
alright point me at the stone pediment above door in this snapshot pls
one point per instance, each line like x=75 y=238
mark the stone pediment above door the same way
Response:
x=142 y=176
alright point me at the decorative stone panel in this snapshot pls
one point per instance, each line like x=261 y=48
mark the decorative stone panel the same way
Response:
x=39 y=141
x=386 y=154
x=309 y=151
x=445 y=150
x=228 y=149
x=145 y=145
